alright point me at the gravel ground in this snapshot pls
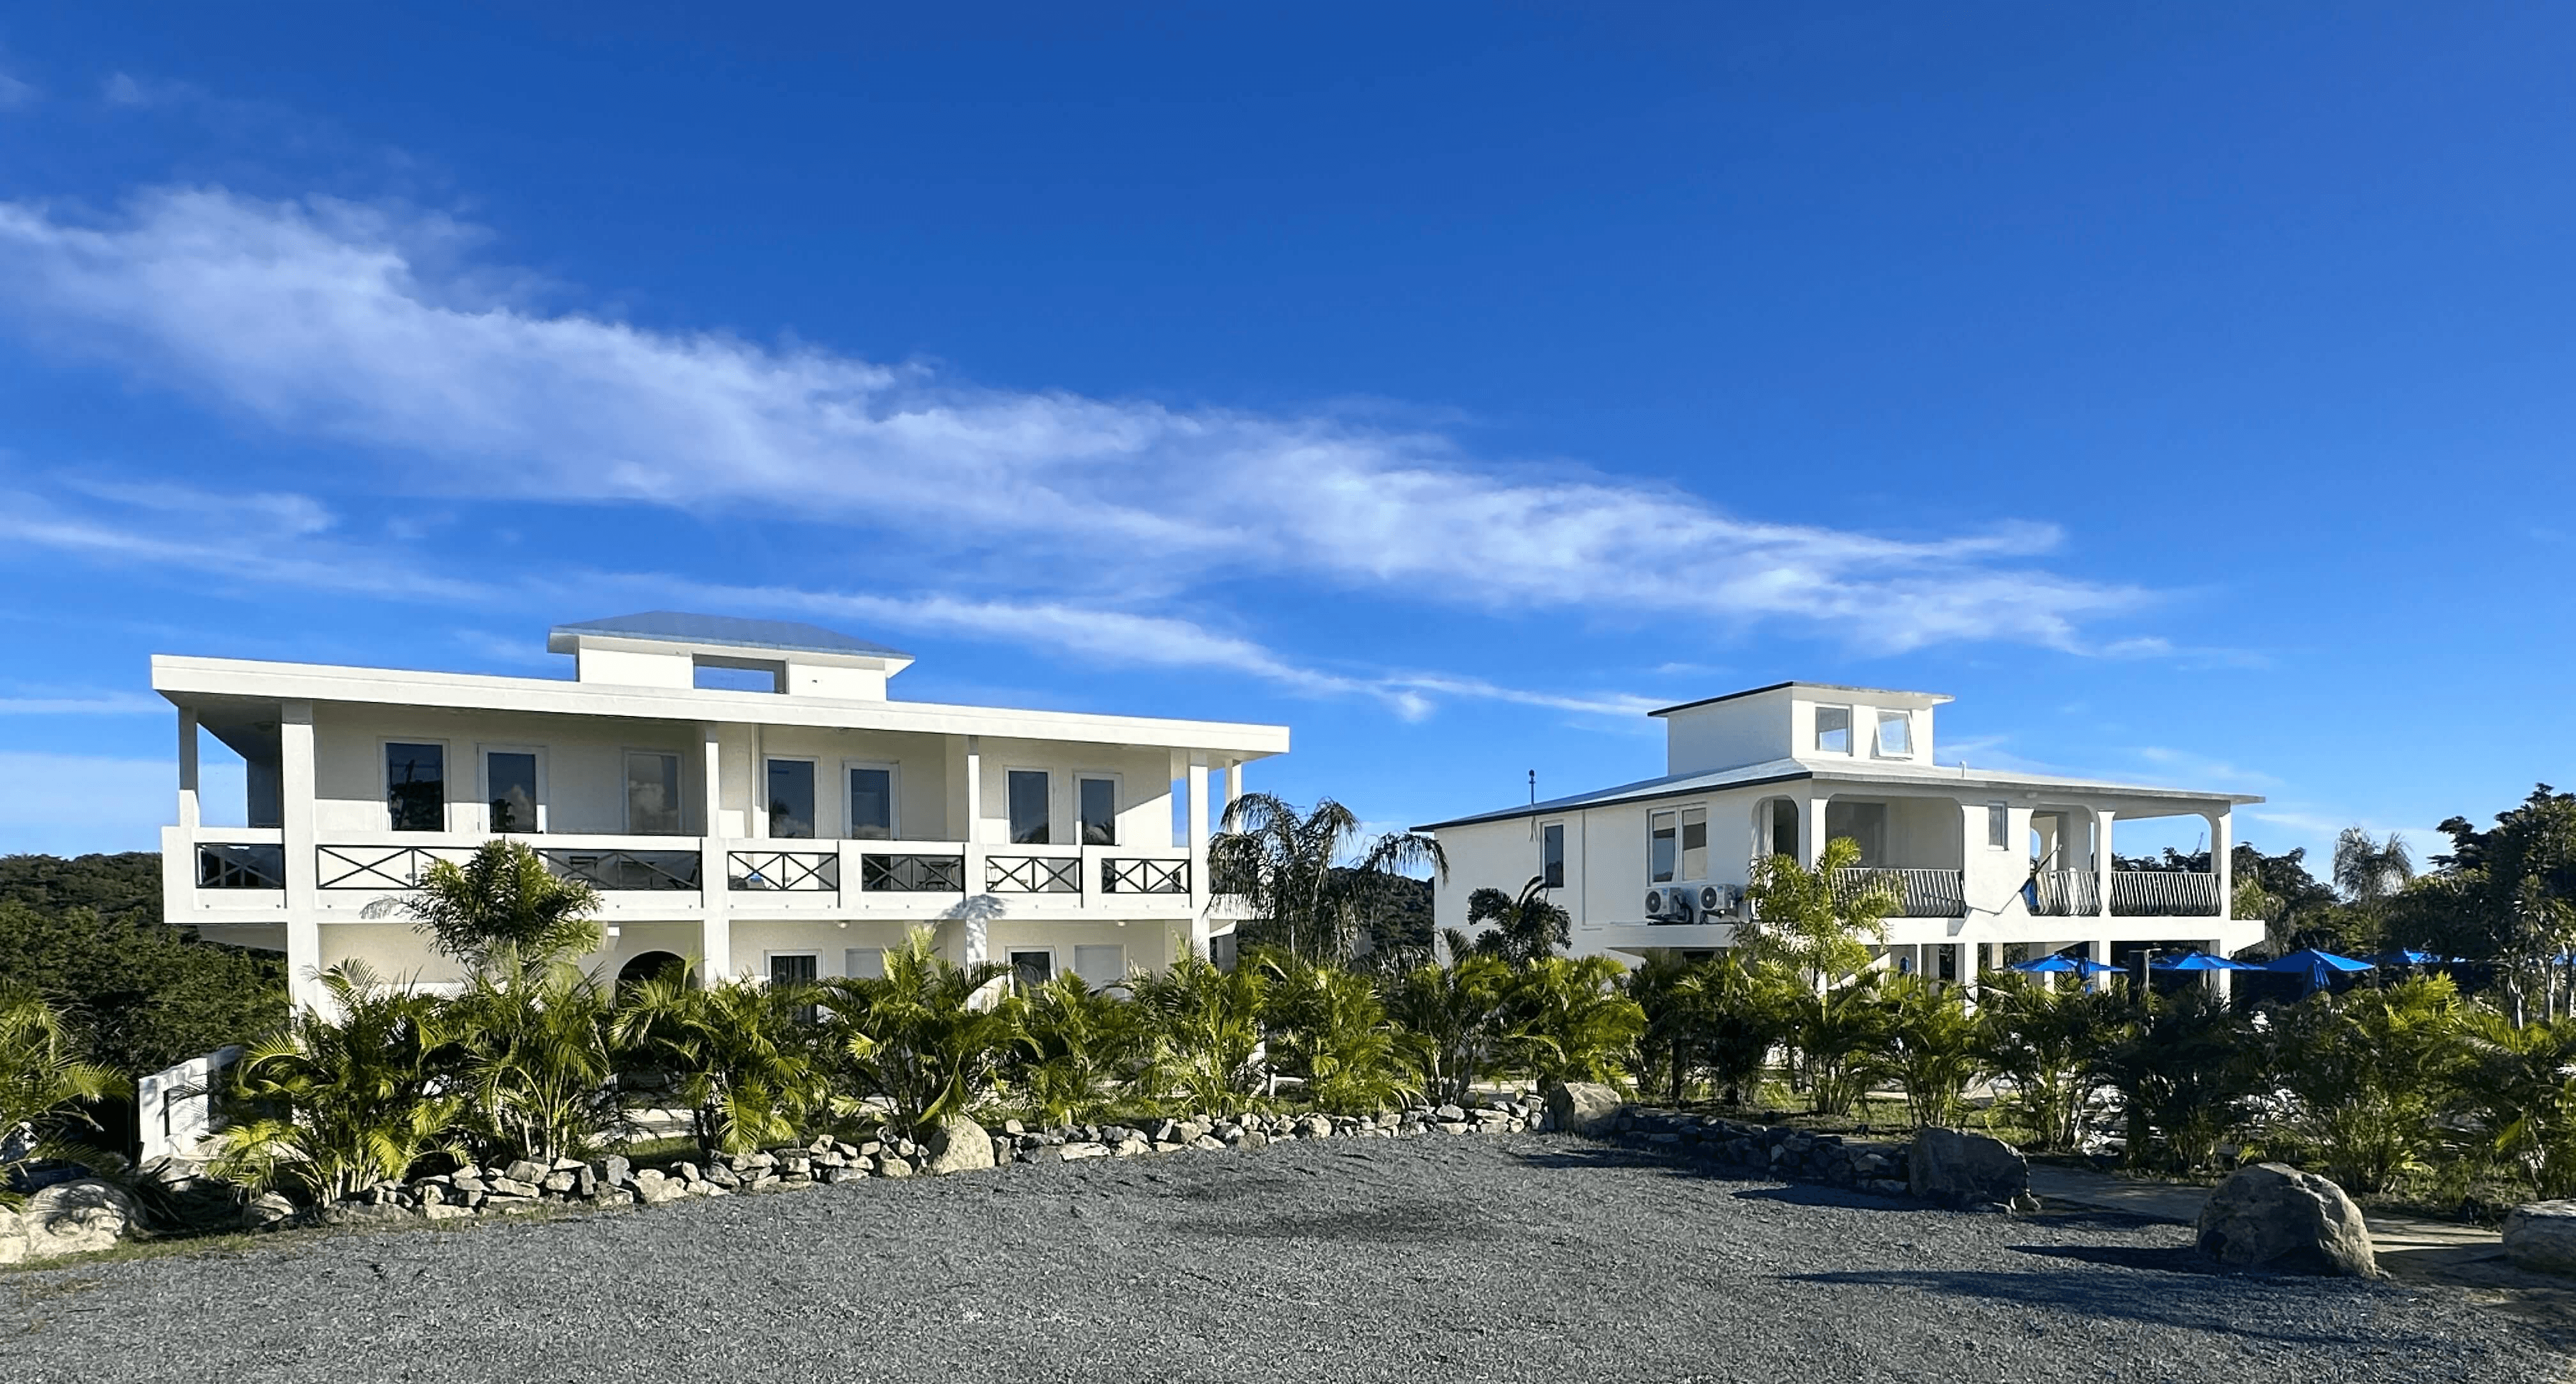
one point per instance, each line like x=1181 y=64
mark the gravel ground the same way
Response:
x=1521 y=1258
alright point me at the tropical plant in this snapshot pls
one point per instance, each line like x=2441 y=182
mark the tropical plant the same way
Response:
x=351 y=1094
x=1328 y=1028
x=1935 y=1048
x=930 y=1036
x=533 y=1058
x=1207 y=1033
x=1526 y=929
x=1081 y=1051
x=2520 y=1088
x=2368 y=1074
x=45 y=1088
x=1843 y=1040
x=1449 y=1019
x=2187 y=1075
x=1286 y=864
x=503 y=907
x=2369 y=870
x=740 y=1055
x=1679 y=1011
x=2045 y=1044
x=1566 y=1018
x=1816 y=924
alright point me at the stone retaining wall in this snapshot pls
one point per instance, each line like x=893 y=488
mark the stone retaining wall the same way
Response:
x=1792 y=1155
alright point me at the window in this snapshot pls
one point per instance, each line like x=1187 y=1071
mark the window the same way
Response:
x=1099 y=804
x=1694 y=843
x=416 y=786
x=1895 y=735
x=791 y=798
x=1032 y=968
x=1102 y=966
x=652 y=793
x=1029 y=808
x=1864 y=823
x=795 y=968
x=1833 y=729
x=1999 y=826
x=1551 y=855
x=864 y=963
x=1659 y=848
x=510 y=787
x=871 y=803
x=1784 y=828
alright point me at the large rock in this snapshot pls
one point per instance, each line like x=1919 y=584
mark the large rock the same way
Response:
x=2272 y=1216
x=1953 y=1167
x=13 y=1237
x=77 y=1217
x=2541 y=1236
x=959 y=1145
x=1581 y=1107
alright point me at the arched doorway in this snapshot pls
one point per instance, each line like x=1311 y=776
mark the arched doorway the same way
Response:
x=652 y=965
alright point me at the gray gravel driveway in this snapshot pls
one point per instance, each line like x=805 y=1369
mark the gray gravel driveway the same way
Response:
x=1519 y=1258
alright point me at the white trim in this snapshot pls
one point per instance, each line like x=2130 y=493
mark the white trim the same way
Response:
x=1851 y=729
x=483 y=780
x=894 y=798
x=1674 y=812
x=385 y=778
x=1878 y=732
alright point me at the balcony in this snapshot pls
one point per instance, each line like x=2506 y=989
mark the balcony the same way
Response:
x=1918 y=893
x=2065 y=894
x=2163 y=894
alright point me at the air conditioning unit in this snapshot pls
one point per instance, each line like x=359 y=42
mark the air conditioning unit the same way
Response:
x=1719 y=899
x=1668 y=905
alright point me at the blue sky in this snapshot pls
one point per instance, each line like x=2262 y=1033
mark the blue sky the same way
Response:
x=2183 y=389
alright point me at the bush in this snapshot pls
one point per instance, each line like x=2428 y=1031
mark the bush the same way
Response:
x=1569 y=1019
x=741 y=1055
x=1080 y=1052
x=2047 y=1044
x=2519 y=1086
x=929 y=1037
x=1328 y=1028
x=1449 y=1019
x=2368 y=1074
x=46 y=1088
x=2188 y=1074
x=533 y=1057
x=333 y=1106
x=1935 y=1048
x=1844 y=1039
x=1206 y=1027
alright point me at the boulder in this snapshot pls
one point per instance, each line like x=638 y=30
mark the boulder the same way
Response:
x=526 y=1170
x=2542 y=1237
x=958 y=1145
x=1582 y=1107
x=266 y=1210
x=77 y=1217
x=13 y=1237
x=1953 y=1167
x=2274 y=1217
x=892 y=1166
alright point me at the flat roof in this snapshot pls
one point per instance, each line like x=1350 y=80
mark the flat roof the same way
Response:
x=731 y=631
x=1917 y=698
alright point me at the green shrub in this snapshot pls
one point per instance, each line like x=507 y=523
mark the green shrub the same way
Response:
x=1328 y=1028
x=1449 y=1021
x=2048 y=1044
x=347 y=1096
x=1569 y=1018
x=741 y=1055
x=1845 y=1041
x=2369 y=1074
x=1081 y=1052
x=2187 y=1073
x=533 y=1060
x=1206 y=1027
x=2519 y=1085
x=929 y=1037
x=1935 y=1048
x=45 y=1087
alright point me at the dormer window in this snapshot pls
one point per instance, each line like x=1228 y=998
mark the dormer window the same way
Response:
x=1834 y=729
x=1895 y=735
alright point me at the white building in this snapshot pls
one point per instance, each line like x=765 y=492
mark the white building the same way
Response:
x=792 y=832
x=1979 y=857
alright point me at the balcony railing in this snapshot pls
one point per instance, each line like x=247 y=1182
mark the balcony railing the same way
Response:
x=912 y=874
x=1033 y=874
x=2066 y=894
x=1120 y=875
x=380 y=867
x=2163 y=894
x=237 y=866
x=1918 y=893
x=624 y=871
x=793 y=872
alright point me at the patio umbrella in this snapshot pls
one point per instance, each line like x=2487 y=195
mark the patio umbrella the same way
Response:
x=2201 y=961
x=2409 y=958
x=2318 y=966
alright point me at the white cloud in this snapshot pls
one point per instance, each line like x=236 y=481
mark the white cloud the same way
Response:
x=15 y=93
x=354 y=323
x=86 y=704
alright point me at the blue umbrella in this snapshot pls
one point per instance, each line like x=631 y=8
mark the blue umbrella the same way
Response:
x=2201 y=961
x=2409 y=957
x=2063 y=965
x=2318 y=966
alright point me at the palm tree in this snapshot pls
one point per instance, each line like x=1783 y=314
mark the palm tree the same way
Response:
x=334 y=1105
x=44 y=1085
x=1288 y=865
x=1080 y=1050
x=1526 y=929
x=1811 y=923
x=534 y=1053
x=1207 y=1032
x=1328 y=1027
x=503 y=906
x=1449 y=1018
x=2368 y=870
x=1567 y=1018
x=929 y=1036
x=739 y=1053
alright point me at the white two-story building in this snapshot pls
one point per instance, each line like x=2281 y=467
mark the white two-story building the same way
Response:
x=1980 y=859
x=795 y=828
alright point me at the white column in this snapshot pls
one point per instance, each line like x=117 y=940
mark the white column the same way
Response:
x=2222 y=846
x=1811 y=831
x=303 y=884
x=188 y=810
x=1199 y=894
x=1233 y=785
x=974 y=942
x=2102 y=857
x=2224 y=982
x=715 y=921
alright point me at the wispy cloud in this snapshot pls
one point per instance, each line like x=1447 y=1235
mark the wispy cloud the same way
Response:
x=86 y=704
x=377 y=325
x=15 y=94
x=2202 y=768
